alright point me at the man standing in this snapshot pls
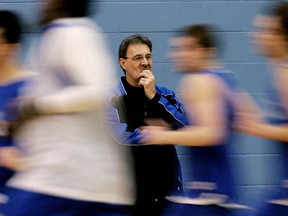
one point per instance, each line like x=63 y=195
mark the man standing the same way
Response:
x=137 y=102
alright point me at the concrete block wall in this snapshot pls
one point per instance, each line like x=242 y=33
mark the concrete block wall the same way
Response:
x=256 y=161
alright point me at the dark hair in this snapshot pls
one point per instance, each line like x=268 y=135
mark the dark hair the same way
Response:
x=133 y=39
x=75 y=8
x=10 y=23
x=64 y=8
x=203 y=33
x=281 y=11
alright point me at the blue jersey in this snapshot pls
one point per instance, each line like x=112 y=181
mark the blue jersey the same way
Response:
x=8 y=92
x=210 y=171
x=276 y=113
x=274 y=110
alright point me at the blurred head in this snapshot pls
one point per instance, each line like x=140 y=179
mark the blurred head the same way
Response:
x=192 y=48
x=135 y=56
x=10 y=27
x=270 y=37
x=55 y=9
x=10 y=32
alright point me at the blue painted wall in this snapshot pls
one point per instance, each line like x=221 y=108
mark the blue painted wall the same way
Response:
x=255 y=161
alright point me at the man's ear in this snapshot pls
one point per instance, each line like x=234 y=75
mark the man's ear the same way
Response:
x=122 y=63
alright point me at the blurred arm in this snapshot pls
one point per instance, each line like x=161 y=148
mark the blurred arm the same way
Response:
x=204 y=105
x=276 y=132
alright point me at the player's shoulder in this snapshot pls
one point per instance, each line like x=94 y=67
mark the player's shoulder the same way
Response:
x=200 y=79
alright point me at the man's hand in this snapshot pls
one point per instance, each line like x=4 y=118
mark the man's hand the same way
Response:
x=247 y=123
x=153 y=135
x=22 y=109
x=147 y=80
x=10 y=157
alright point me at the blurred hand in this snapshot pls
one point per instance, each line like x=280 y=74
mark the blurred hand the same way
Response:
x=4 y=128
x=22 y=109
x=153 y=134
x=147 y=80
x=10 y=157
x=247 y=123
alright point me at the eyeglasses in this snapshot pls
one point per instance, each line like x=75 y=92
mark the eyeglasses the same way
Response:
x=140 y=58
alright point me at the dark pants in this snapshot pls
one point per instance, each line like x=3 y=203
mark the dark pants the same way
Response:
x=25 y=203
x=153 y=207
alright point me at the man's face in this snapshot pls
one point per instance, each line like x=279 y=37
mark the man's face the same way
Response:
x=138 y=58
x=268 y=37
x=186 y=54
x=6 y=49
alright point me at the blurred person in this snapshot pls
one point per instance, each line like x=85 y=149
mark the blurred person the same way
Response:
x=208 y=92
x=12 y=79
x=137 y=102
x=72 y=164
x=270 y=39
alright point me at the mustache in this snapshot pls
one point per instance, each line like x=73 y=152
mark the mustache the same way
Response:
x=145 y=67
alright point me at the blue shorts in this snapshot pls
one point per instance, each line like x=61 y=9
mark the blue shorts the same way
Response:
x=25 y=203
x=201 y=210
x=270 y=209
x=5 y=175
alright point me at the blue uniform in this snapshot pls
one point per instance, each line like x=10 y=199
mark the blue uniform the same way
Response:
x=74 y=166
x=20 y=204
x=210 y=172
x=8 y=92
x=276 y=113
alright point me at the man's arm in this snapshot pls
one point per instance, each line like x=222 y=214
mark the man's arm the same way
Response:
x=165 y=102
x=116 y=117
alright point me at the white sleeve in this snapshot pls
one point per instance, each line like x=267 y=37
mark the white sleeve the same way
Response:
x=83 y=59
